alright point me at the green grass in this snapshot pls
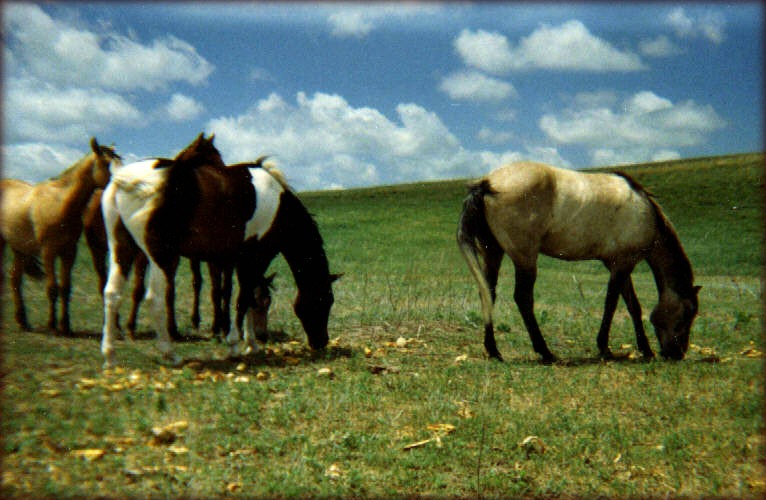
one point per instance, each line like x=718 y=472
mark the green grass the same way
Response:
x=273 y=425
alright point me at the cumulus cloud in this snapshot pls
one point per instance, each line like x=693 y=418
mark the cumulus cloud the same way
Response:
x=35 y=162
x=640 y=128
x=349 y=24
x=475 y=86
x=322 y=141
x=709 y=25
x=358 y=22
x=570 y=46
x=59 y=52
x=36 y=111
x=181 y=108
x=661 y=46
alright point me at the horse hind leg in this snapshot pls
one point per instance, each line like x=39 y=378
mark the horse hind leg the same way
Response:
x=524 y=296
x=160 y=285
x=139 y=289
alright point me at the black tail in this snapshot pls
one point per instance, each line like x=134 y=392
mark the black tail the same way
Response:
x=473 y=229
x=33 y=268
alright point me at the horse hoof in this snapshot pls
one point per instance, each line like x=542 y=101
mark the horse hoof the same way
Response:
x=549 y=360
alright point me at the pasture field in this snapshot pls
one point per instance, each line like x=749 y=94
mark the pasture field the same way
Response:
x=404 y=400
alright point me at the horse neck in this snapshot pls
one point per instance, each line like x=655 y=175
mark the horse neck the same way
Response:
x=77 y=181
x=669 y=263
x=302 y=245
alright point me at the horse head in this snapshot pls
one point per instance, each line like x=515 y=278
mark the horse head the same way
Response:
x=103 y=157
x=201 y=151
x=260 y=303
x=672 y=320
x=313 y=309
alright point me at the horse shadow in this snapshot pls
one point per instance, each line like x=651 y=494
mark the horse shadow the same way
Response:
x=270 y=357
x=578 y=361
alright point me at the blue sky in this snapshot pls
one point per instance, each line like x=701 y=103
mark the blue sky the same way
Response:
x=357 y=94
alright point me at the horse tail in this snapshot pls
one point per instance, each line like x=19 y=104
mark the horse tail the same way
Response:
x=33 y=268
x=475 y=238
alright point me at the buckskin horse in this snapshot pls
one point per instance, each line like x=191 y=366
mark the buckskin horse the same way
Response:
x=44 y=221
x=196 y=206
x=221 y=282
x=525 y=209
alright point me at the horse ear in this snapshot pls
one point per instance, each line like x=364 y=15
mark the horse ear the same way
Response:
x=210 y=139
x=335 y=277
x=94 y=145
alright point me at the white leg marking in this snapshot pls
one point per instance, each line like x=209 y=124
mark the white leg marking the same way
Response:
x=250 y=341
x=112 y=300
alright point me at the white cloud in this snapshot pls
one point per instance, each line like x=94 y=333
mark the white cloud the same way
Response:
x=349 y=23
x=58 y=52
x=487 y=51
x=643 y=126
x=710 y=25
x=490 y=136
x=475 y=86
x=39 y=112
x=358 y=22
x=182 y=108
x=661 y=46
x=35 y=162
x=568 y=47
x=322 y=141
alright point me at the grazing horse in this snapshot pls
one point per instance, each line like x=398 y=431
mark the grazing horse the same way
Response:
x=195 y=206
x=45 y=220
x=525 y=209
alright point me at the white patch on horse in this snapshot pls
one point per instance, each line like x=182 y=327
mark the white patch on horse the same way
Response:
x=135 y=184
x=268 y=193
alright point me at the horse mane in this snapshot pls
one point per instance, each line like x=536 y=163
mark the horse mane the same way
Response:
x=668 y=234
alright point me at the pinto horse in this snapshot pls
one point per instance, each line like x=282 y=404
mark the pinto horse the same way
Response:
x=525 y=209
x=196 y=206
x=45 y=220
x=95 y=236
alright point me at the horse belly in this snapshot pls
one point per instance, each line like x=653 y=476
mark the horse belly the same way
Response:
x=600 y=232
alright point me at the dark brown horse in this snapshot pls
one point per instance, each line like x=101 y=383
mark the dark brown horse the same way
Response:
x=45 y=221
x=237 y=216
x=526 y=209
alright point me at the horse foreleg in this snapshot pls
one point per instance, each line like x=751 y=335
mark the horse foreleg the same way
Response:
x=65 y=288
x=170 y=301
x=613 y=290
x=17 y=275
x=634 y=308
x=215 y=297
x=52 y=288
x=194 y=266
x=228 y=272
x=524 y=296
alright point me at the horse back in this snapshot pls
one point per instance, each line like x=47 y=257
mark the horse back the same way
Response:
x=567 y=214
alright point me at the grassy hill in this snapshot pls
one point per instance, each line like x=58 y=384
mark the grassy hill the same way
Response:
x=407 y=358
